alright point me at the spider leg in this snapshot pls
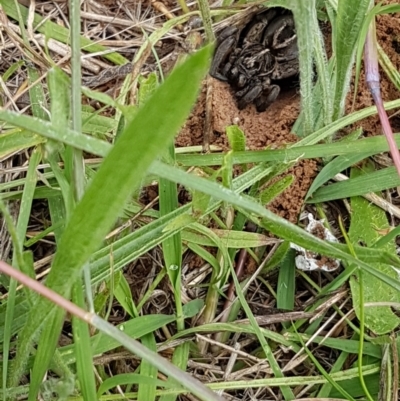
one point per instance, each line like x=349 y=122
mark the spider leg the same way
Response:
x=226 y=45
x=267 y=97
x=248 y=95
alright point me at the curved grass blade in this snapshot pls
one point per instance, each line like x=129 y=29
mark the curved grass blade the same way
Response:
x=145 y=138
x=277 y=225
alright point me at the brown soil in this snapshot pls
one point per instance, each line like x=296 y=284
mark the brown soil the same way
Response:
x=272 y=128
x=269 y=129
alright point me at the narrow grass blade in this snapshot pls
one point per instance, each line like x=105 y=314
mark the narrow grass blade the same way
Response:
x=179 y=359
x=365 y=147
x=269 y=220
x=286 y=282
x=375 y=181
x=134 y=328
x=147 y=391
x=22 y=224
x=129 y=378
x=304 y=11
x=83 y=349
x=349 y=21
x=190 y=383
x=119 y=174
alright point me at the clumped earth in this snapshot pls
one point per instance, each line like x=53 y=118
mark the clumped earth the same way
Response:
x=269 y=129
x=272 y=128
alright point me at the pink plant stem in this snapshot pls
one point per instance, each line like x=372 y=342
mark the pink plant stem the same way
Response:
x=192 y=384
x=372 y=78
x=46 y=292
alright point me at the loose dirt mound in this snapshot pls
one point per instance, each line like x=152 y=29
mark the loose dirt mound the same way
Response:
x=269 y=129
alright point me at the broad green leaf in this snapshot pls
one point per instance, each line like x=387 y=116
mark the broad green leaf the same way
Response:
x=236 y=137
x=367 y=222
x=115 y=180
x=193 y=307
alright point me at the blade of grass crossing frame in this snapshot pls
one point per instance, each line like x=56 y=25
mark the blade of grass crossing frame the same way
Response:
x=286 y=391
x=84 y=362
x=271 y=221
x=172 y=251
x=147 y=391
x=131 y=156
x=22 y=224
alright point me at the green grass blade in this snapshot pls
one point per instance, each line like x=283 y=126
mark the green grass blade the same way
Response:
x=179 y=359
x=349 y=21
x=134 y=328
x=304 y=11
x=363 y=147
x=129 y=378
x=46 y=348
x=17 y=140
x=83 y=349
x=117 y=177
x=286 y=282
x=375 y=181
x=22 y=224
x=269 y=220
x=147 y=391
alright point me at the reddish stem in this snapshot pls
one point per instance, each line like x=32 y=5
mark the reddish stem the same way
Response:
x=372 y=78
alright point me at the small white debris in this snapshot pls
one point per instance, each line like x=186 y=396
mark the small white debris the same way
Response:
x=307 y=260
